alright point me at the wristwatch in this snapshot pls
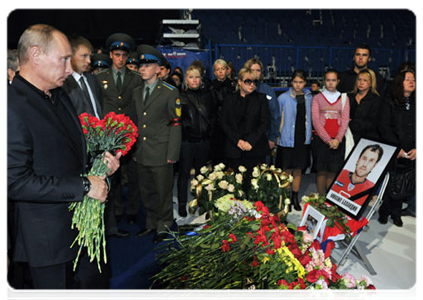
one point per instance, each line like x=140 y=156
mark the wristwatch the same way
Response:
x=86 y=184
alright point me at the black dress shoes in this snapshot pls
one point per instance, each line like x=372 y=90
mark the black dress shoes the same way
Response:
x=145 y=232
x=121 y=233
x=182 y=210
x=132 y=219
x=159 y=237
x=397 y=221
x=383 y=219
x=295 y=201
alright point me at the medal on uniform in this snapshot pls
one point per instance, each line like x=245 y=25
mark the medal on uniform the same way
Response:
x=350 y=187
x=105 y=84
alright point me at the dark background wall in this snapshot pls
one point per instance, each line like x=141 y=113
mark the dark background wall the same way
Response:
x=95 y=25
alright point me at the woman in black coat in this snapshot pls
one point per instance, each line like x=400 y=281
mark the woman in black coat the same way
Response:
x=398 y=126
x=364 y=106
x=198 y=119
x=245 y=120
x=221 y=87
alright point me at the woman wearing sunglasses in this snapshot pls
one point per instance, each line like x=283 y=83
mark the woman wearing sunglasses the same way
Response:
x=245 y=121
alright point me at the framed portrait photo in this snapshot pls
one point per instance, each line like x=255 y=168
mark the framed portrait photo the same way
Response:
x=312 y=220
x=360 y=177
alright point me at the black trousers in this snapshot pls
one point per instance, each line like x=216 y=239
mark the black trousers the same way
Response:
x=193 y=154
x=62 y=276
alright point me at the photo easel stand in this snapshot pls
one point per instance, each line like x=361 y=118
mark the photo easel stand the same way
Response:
x=352 y=245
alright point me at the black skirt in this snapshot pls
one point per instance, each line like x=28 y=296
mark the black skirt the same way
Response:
x=326 y=159
x=293 y=158
x=299 y=156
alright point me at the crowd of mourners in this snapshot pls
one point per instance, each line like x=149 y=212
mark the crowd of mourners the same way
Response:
x=186 y=121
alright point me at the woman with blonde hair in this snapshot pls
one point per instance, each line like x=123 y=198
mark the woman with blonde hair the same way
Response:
x=256 y=65
x=245 y=120
x=364 y=106
x=221 y=87
x=198 y=118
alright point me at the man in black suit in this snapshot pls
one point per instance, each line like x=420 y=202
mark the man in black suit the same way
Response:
x=117 y=84
x=46 y=157
x=85 y=93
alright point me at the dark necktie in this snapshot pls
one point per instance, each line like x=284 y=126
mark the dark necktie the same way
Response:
x=84 y=87
x=119 y=82
x=147 y=94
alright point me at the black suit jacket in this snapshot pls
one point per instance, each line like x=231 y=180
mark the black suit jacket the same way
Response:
x=46 y=155
x=250 y=126
x=79 y=99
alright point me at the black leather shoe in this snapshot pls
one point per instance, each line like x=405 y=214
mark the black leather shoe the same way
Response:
x=132 y=219
x=383 y=219
x=121 y=233
x=182 y=210
x=159 y=237
x=408 y=213
x=296 y=202
x=145 y=232
x=397 y=221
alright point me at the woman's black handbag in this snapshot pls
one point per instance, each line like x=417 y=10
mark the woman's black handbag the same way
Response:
x=402 y=183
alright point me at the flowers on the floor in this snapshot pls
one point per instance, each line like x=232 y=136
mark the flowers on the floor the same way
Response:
x=334 y=216
x=242 y=249
x=229 y=204
x=267 y=182
x=114 y=133
x=270 y=185
x=212 y=184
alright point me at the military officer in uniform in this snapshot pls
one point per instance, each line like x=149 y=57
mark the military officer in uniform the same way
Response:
x=158 y=110
x=117 y=83
x=100 y=62
x=133 y=62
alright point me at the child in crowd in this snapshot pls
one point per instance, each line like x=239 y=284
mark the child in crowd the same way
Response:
x=293 y=151
x=330 y=122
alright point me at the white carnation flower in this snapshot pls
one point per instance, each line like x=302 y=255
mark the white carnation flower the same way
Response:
x=269 y=177
x=210 y=187
x=242 y=169
x=254 y=183
x=223 y=184
x=204 y=170
x=238 y=178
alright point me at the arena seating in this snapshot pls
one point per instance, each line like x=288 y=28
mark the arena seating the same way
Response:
x=309 y=39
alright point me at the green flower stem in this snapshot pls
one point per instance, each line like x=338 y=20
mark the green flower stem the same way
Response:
x=88 y=218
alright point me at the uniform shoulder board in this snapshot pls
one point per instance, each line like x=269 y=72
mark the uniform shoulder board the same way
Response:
x=102 y=71
x=169 y=86
x=133 y=72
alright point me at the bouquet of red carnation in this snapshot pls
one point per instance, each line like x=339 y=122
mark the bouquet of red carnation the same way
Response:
x=115 y=133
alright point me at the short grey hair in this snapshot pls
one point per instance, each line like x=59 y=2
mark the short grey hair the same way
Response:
x=40 y=35
x=12 y=60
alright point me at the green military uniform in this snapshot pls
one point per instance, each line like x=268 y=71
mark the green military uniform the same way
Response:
x=159 y=141
x=120 y=103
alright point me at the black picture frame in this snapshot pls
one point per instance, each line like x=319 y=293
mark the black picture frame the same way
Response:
x=351 y=197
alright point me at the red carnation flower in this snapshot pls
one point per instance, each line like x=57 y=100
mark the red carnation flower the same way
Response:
x=233 y=237
x=282 y=282
x=225 y=246
x=371 y=290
